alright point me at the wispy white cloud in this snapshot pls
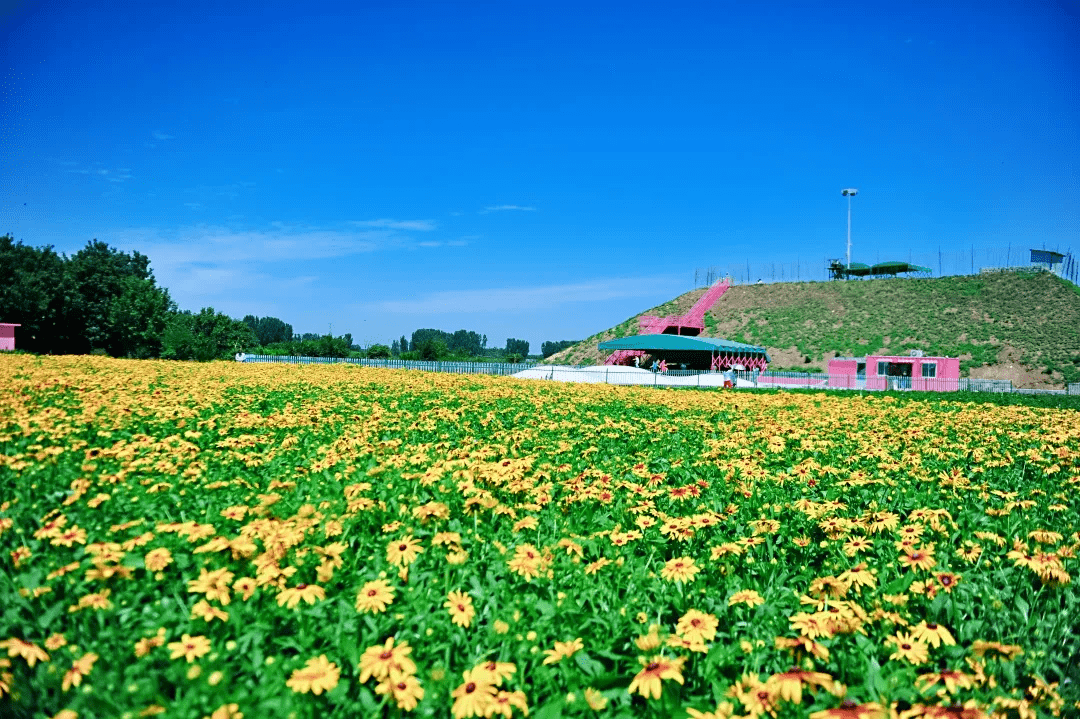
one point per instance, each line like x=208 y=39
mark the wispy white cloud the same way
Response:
x=219 y=246
x=503 y=208
x=527 y=298
x=207 y=264
x=159 y=135
x=429 y=244
x=116 y=175
x=387 y=224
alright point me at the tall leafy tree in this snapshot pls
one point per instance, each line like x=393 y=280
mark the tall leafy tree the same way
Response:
x=549 y=348
x=115 y=304
x=269 y=330
x=34 y=293
x=517 y=347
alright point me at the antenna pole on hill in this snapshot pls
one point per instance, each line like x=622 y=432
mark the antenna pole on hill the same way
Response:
x=849 y=193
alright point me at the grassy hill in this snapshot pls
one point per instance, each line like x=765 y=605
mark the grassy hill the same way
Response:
x=1019 y=326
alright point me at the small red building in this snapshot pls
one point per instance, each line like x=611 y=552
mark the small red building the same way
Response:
x=7 y=336
x=914 y=372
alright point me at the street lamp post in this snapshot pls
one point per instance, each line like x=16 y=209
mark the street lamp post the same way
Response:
x=849 y=193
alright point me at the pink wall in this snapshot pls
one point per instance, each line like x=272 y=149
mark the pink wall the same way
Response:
x=842 y=372
x=7 y=336
x=946 y=379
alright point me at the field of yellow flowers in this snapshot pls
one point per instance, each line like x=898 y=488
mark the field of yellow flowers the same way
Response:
x=227 y=540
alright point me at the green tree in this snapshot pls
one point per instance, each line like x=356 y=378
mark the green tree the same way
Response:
x=379 y=351
x=519 y=347
x=269 y=330
x=549 y=348
x=206 y=336
x=34 y=293
x=116 y=304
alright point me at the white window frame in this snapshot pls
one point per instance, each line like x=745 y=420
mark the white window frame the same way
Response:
x=932 y=366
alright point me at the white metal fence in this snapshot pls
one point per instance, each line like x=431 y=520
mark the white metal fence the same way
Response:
x=496 y=368
x=619 y=375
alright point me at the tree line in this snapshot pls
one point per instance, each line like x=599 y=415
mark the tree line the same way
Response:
x=101 y=300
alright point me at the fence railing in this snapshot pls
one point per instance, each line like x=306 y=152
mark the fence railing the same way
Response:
x=496 y=368
x=620 y=375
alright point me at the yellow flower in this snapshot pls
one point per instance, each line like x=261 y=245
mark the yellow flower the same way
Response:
x=203 y=610
x=648 y=682
x=377 y=661
x=475 y=695
x=227 y=711
x=595 y=700
x=189 y=647
x=908 y=648
x=680 y=569
x=79 y=668
x=157 y=559
x=375 y=596
x=403 y=552
x=747 y=596
x=461 y=609
x=28 y=651
x=318 y=675
x=695 y=626
x=563 y=650
x=292 y=596
x=405 y=689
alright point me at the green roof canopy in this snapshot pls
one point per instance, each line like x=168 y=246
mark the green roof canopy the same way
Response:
x=683 y=343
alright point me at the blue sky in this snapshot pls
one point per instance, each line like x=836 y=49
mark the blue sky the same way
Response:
x=536 y=170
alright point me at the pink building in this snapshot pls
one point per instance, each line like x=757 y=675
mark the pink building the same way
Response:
x=7 y=336
x=914 y=372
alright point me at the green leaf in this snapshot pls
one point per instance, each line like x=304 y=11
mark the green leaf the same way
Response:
x=50 y=616
x=875 y=683
x=551 y=710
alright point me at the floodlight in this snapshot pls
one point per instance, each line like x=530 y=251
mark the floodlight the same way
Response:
x=849 y=192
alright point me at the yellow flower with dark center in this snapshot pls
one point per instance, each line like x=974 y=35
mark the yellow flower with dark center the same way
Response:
x=377 y=661
x=461 y=609
x=919 y=558
x=189 y=647
x=375 y=596
x=79 y=668
x=309 y=593
x=908 y=648
x=475 y=695
x=505 y=702
x=403 y=552
x=405 y=688
x=656 y=670
x=696 y=626
x=680 y=569
x=27 y=650
x=789 y=684
x=933 y=634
